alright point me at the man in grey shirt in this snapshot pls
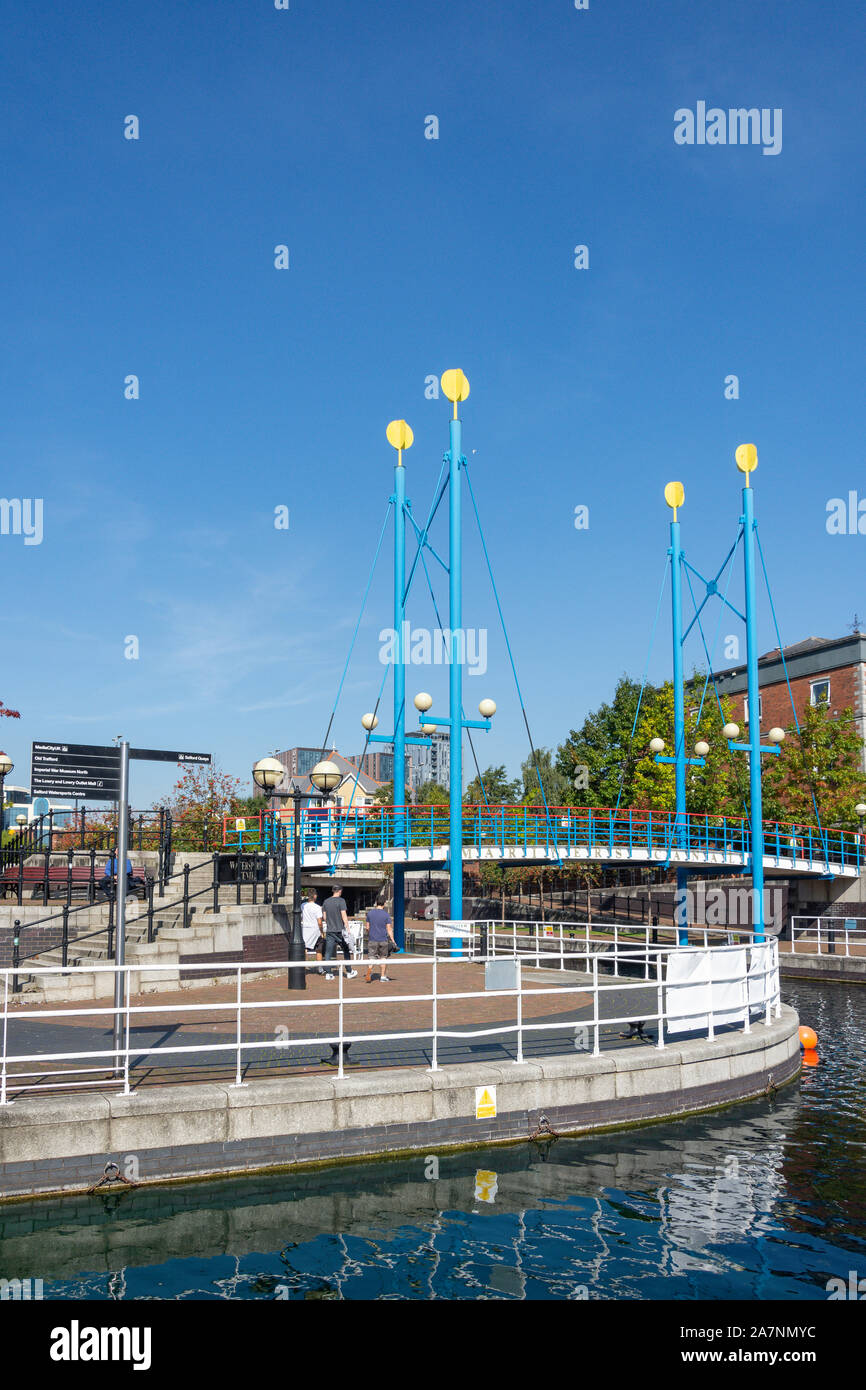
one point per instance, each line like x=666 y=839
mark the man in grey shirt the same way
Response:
x=336 y=921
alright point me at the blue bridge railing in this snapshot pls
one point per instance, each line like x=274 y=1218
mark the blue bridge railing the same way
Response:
x=348 y=833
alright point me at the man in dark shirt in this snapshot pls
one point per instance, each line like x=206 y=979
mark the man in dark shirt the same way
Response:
x=109 y=877
x=336 y=921
x=381 y=934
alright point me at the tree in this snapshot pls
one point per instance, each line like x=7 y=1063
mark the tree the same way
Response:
x=199 y=801
x=824 y=761
x=385 y=794
x=432 y=794
x=603 y=746
x=499 y=788
x=717 y=788
x=8 y=713
x=557 y=788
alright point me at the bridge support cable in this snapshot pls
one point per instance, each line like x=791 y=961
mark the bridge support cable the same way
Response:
x=551 y=835
x=710 y=673
x=821 y=830
x=326 y=744
x=438 y=618
x=643 y=683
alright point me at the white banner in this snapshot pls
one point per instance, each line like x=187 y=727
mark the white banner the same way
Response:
x=763 y=980
x=705 y=982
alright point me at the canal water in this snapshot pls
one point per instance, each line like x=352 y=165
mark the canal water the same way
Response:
x=765 y=1200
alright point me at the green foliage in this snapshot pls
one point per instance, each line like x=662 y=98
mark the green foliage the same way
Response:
x=717 y=788
x=432 y=794
x=557 y=786
x=603 y=746
x=824 y=759
x=499 y=788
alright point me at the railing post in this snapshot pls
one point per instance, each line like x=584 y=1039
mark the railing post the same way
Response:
x=519 y=1058
x=150 y=910
x=340 y=1015
x=65 y=938
x=110 y=951
x=68 y=877
x=255 y=875
x=186 y=895
x=216 y=881
x=45 y=879
x=16 y=957
x=596 y=1049
x=81 y=845
x=660 y=1041
x=91 y=887
x=20 y=877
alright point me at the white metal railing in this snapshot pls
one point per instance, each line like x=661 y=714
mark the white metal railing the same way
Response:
x=550 y=942
x=830 y=935
x=745 y=973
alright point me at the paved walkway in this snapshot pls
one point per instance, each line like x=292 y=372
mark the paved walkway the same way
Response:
x=313 y=1023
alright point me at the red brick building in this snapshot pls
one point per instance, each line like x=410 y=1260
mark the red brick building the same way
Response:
x=824 y=671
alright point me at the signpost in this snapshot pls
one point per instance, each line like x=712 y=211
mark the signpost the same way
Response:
x=94 y=772
x=85 y=770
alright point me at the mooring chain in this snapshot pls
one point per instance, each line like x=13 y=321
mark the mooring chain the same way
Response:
x=111 y=1174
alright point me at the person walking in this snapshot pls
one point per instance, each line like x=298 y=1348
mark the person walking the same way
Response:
x=312 y=928
x=336 y=921
x=381 y=938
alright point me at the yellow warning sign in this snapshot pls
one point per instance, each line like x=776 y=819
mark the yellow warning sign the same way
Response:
x=485 y=1102
x=240 y=825
x=486 y=1183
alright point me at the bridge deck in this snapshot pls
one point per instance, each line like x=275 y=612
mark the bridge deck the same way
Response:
x=418 y=835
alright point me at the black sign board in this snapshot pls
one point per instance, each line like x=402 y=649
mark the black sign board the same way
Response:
x=249 y=868
x=159 y=755
x=88 y=771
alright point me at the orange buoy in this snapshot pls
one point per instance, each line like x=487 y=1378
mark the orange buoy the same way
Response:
x=808 y=1039
x=810 y=1057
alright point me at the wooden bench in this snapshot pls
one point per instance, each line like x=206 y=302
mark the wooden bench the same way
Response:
x=59 y=878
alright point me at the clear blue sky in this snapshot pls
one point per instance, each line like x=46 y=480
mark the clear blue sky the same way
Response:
x=262 y=387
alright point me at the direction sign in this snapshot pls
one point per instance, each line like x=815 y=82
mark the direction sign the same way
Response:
x=159 y=755
x=88 y=771
x=91 y=771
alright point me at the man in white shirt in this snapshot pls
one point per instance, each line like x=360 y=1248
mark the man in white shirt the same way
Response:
x=311 y=927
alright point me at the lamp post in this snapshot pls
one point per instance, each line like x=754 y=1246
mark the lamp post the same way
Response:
x=6 y=766
x=487 y=709
x=325 y=776
x=400 y=437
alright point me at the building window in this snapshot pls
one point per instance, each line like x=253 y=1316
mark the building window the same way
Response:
x=819 y=692
x=746 y=709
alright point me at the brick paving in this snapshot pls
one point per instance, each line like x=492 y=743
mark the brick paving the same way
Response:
x=368 y=1009
x=381 y=1012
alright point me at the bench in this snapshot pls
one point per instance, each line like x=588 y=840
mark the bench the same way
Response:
x=59 y=878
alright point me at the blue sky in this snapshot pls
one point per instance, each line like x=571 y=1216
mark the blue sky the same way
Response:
x=261 y=388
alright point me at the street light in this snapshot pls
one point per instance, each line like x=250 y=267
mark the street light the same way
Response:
x=860 y=812
x=267 y=774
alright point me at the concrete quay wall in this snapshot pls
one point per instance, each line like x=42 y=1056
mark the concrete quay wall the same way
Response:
x=62 y=1143
x=831 y=969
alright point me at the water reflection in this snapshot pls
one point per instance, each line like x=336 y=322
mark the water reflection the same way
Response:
x=765 y=1200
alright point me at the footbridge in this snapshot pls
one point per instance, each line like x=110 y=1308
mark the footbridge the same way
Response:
x=419 y=836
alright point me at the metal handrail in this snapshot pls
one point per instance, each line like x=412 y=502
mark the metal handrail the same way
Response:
x=767 y=1001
